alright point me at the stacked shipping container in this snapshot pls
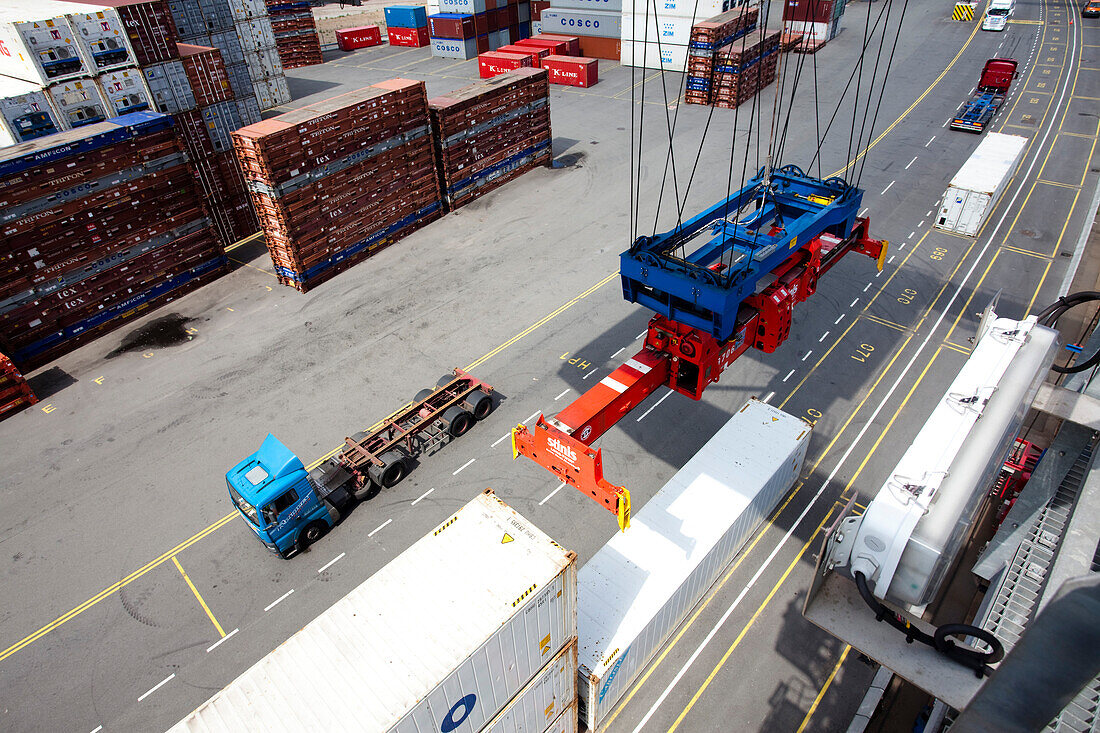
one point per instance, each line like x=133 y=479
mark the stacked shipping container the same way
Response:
x=466 y=28
x=26 y=112
x=407 y=25
x=660 y=38
x=295 y=33
x=491 y=132
x=742 y=70
x=121 y=229
x=16 y=395
x=817 y=20
x=338 y=180
x=708 y=39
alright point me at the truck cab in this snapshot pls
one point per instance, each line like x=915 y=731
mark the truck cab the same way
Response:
x=277 y=498
x=996 y=18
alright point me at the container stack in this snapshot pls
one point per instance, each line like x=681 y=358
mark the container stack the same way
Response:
x=26 y=112
x=121 y=230
x=295 y=33
x=466 y=28
x=661 y=38
x=499 y=654
x=338 y=180
x=242 y=31
x=597 y=23
x=817 y=20
x=407 y=25
x=708 y=39
x=743 y=70
x=491 y=132
x=16 y=394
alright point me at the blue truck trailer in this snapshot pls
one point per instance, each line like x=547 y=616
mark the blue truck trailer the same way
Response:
x=988 y=96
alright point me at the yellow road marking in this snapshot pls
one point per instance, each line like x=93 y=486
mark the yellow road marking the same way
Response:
x=824 y=689
x=1028 y=252
x=151 y=565
x=744 y=631
x=202 y=603
x=1054 y=183
x=244 y=241
x=257 y=269
x=956 y=347
x=1039 y=287
x=884 y=322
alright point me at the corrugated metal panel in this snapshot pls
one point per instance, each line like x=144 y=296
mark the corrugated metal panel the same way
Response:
x=493 y=599
x=549 y=695
x=991 y=164
x=170 y=87
x=638 y=588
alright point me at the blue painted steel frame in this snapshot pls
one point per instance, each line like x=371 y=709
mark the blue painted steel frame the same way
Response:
x=792 y=209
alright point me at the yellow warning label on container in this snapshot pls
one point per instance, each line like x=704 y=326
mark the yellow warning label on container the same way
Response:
x=544 y=645
x=506 y=539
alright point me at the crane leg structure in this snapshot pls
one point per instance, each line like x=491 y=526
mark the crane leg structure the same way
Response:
x=734 y=291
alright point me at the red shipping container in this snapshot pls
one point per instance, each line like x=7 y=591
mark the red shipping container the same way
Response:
x=557 y=48
x=206 y=71
x=495 y=62
x=483 y=44
x=460 y=28
x=574 y=71
x=413 y=37
x=809 y=11
x=573 y=41
x=349 y=39
x=600 y=48
x=533 y=51
x=537 y=6
x=510 y=15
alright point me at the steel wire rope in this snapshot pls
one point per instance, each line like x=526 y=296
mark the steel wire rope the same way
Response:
x=885 y=76
x=637 y=213
x=871 y=91
x=797 y=76
x=668 y=126
x=859 y=83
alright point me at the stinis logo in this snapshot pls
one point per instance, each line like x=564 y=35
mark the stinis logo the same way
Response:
x=562 y=451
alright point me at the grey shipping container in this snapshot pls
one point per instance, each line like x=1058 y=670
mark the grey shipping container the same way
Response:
x=187 y=16
x=79 y=102
x=551 y=693
x=601 y=24
x=255 y=34
x=454 y=49
x=239 y=79
x=225 y=41
x=248 y=108
x=271 y=92
x=263 y=64
x=248 y=9
x=222 y=120
x=606 y=5
x=169 y=86
x=125 y=91
x=644 y=582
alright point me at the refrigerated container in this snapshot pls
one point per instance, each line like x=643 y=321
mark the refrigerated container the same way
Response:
x=441 y=638
x=975 y=190
x=642 y=584
x=102 y=37
x=549 y=695
x=79 y=102
x=26 y=112
x=125 y=91
x=39 y=48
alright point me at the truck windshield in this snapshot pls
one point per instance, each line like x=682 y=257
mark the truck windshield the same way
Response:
x=996 y=12
x=248 y=510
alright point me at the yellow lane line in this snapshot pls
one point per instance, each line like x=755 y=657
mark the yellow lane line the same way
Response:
x=824 y=689
x=1055 y=183
x=65 y=618
x=257 y=269
x=782 y=579
x=1031 y=303
x=755 y=616
x=242 y=242
x=1028 y=252
x=202 y=603
x=956 y=347
x=884 y=322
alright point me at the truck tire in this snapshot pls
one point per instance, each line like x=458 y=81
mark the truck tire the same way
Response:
x=445 y=380
x=311 y=534
x=389 y=474
x=423 y=394
x=358 y=437
x=479 y=404
x=457 y=421
x=367 y=492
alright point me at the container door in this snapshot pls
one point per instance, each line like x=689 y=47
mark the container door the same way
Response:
x=951 y=209
x=973 y=213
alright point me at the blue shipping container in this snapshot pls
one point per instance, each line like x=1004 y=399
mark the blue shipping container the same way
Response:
x=406 y=16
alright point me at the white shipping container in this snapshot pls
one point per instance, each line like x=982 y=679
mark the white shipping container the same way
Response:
x=641 y=585
x=536 y=27
x=271 y=92
x=263 y=64
x=79 y=102
x=612 y=5
x=668 y=29
x=255 y=34
x=653 y=56
x=36 y=47
x=125 y=91
x=546 y=697
x=102 y=38
x=601 y=24
x=566 y=722
x=248 y=9
x=441 y=638
x=975 y=190
x=698 y=9
x=26 y=112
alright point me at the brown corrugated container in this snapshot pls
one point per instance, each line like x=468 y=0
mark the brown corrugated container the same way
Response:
x=491 y=132
x=334 y=182
x=15 y=393
x=206 y=72
x=598 y=48
x=80 y=260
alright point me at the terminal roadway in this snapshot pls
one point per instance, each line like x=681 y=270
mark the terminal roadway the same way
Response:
x=131 y=591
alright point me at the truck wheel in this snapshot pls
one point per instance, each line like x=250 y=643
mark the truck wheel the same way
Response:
x=445 y=380
x=368 y=492
x=311 y=534
x=457 y=420
x=389 y=474
x=358 y=437
x=423 y=394
x=479 y=403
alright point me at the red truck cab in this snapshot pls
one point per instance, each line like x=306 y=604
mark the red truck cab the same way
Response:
x=997 y=75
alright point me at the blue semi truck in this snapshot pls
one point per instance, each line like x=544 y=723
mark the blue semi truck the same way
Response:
x=289 y=505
